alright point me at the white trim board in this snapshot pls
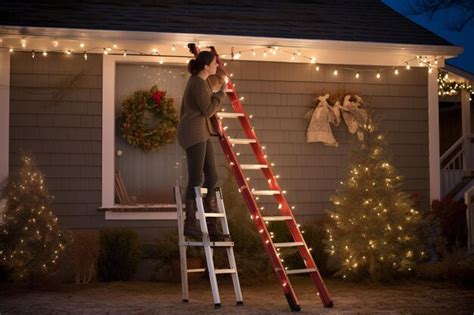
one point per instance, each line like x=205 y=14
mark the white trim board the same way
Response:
x=325 y=51
x=433 y=137
x=114 y=215
x=4 y=112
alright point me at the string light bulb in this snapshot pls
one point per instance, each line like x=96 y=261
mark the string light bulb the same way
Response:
x=395 y=71
x=378 y=75
x=357 y=75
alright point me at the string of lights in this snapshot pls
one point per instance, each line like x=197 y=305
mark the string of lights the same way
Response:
x=265 y=51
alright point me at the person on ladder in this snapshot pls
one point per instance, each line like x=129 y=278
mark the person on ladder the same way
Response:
x=194 y=131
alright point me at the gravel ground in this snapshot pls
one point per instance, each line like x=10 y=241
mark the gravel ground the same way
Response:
x=264 y=298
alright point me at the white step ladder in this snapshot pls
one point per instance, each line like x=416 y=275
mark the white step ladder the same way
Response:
x=208 y=246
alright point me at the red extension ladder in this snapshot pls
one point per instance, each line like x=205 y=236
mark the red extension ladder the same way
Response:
x=250 y=197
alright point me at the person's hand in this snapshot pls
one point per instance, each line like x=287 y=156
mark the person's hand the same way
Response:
x=224 y=86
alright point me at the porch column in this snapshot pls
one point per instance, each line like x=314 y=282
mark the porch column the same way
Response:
x=433 y=136
x=466 y=128
x=4 y=111
x=108 y=130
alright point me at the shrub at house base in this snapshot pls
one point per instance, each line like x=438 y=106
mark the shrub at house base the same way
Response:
x=445 y=232
x=119 y=254
x=80 y=262
x=33 y=243
x=374 y=228
x=167 y=260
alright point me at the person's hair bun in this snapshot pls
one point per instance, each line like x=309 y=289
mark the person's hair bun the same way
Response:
x=204 y=58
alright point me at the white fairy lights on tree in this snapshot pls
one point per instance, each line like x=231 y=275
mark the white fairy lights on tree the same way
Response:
x=32 y=240
x=373 y=229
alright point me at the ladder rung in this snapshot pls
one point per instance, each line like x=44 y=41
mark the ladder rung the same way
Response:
x=229 y=115
x=196 y=270
x=278 y=218
x=214 y=215
x=295 y=271
x=265 y=192
x=222 y=271
x=242 y=141
x=212 y=244
x=253 y=166
x=289 y=244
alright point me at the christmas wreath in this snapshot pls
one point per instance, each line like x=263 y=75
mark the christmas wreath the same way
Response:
x=148 y=119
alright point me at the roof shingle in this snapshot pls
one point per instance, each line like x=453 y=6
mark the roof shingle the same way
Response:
x=343 y=20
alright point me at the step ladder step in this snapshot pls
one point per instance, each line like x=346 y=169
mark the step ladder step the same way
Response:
x=289 y=244
x=242 y=141
x=253 y=166
x=229 y=115
x=223 y=271
x=196 y=270
x=296 y=271
x=214 y=215
x=212 y=244
x=278 y=218
x=265 y=192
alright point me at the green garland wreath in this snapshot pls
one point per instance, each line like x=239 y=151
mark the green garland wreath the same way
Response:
x=136 y=131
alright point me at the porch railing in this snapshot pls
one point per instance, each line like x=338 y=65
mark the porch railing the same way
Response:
x=456 y=163
x=469 y=200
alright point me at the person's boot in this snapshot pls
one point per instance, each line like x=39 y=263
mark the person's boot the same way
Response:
x=210 y=205
x=191 y=227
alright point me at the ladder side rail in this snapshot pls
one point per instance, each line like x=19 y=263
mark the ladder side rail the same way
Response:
x=229 y=250
x=207 y=248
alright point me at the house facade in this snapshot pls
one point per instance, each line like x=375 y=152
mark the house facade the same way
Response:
x=63 y=80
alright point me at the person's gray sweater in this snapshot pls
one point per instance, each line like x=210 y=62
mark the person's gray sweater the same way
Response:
x=199 y=103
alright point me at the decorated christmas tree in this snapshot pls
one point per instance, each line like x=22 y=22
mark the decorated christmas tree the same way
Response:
x=31 y=239
x=373 y=228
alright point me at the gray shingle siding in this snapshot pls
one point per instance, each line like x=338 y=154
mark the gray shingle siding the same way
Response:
x=64 y=133
x=279 y=94
x=56 y=114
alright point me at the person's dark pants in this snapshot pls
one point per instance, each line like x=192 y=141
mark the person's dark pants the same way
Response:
x=201 y=160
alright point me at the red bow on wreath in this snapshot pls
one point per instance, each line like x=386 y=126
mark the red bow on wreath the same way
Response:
x=157 y=96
